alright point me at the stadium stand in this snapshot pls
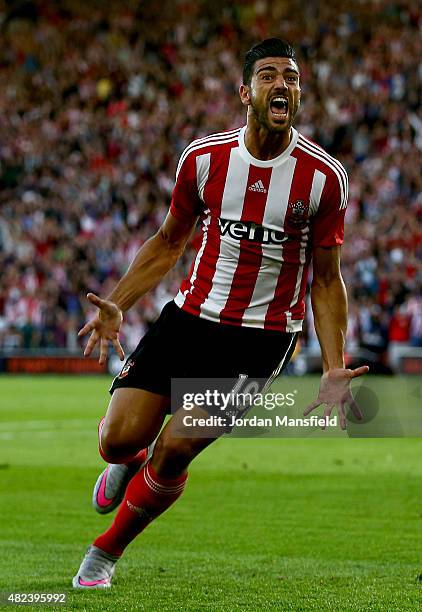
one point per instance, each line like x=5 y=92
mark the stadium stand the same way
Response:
x=98 y=100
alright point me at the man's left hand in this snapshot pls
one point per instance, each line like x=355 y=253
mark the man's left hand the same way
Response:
x=335 y=390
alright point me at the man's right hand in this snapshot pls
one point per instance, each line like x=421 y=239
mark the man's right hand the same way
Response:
x=105 y=327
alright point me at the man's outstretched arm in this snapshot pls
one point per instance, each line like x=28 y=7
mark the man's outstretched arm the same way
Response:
x=329 y=305
x=151 y=263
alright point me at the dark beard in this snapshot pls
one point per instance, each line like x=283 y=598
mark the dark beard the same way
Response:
x=261 y=117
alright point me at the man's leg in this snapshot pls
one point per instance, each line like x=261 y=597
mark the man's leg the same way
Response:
x=133 y=420
x=155 y=487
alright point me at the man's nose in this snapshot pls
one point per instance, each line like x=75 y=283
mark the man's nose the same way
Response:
x=280 y=82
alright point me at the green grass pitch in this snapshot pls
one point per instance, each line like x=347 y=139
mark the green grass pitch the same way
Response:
x=264 y=524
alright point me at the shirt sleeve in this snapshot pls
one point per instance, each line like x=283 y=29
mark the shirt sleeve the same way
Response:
x=328 y=226
x=185 y=201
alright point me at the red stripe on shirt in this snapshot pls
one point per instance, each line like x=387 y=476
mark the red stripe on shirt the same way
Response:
x=213 y=192
x=250 y=257
x=286 y=284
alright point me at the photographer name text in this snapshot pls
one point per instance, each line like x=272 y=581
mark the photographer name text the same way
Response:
x=254 y=421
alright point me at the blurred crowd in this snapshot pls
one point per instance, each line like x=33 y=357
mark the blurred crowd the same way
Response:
x=98 y=100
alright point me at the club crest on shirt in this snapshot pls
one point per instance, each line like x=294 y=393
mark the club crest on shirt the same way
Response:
x=298 y=213
x=125 y=370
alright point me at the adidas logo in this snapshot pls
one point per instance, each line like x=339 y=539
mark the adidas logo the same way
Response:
x=258 y=186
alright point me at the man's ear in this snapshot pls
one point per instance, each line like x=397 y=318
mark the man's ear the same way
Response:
x=244 y=93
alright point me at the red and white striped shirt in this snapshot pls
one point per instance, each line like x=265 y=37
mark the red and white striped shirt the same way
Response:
x=261 y=220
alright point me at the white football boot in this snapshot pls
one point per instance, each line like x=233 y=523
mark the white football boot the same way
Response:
x=96 y=570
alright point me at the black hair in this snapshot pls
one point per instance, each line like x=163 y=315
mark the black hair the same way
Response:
x=270 y=47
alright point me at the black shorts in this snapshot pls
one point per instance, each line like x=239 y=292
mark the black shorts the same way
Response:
x=181 y=345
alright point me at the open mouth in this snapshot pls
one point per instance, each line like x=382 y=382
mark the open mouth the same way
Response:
x=279 y=107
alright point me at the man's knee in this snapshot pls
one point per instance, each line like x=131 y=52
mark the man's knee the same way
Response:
x=117 y=444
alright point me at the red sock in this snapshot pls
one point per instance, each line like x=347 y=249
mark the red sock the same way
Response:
x=147 y=496
x=137 y=458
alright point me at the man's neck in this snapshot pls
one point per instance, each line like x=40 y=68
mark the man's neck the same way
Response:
x=265 y=145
